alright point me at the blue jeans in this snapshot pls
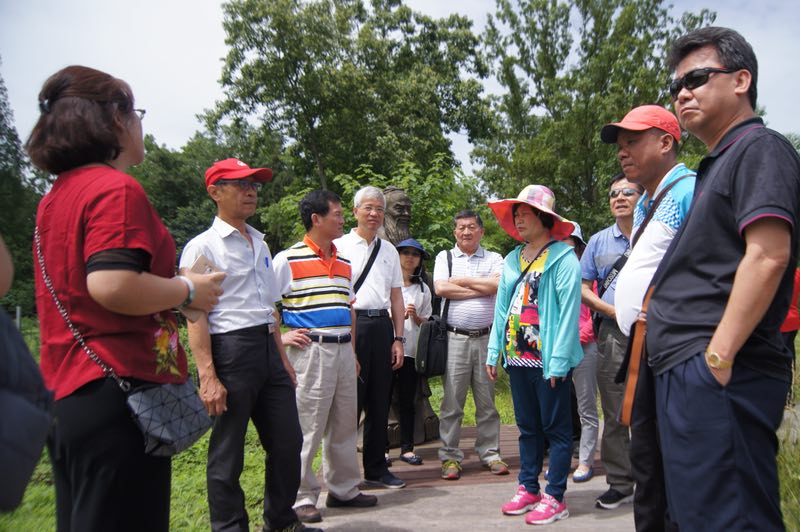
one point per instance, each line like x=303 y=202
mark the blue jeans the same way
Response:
x=542 y=411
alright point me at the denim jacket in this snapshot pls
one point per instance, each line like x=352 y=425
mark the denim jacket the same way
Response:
x=559 y=308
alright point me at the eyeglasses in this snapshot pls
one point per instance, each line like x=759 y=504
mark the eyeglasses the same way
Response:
x=243 y=184
x=694 y=78
x=370 y=209
x=140 y=113
x=627 y=192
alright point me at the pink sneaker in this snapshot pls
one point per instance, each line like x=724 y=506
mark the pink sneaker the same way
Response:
x=521 y=502
x=547 y=511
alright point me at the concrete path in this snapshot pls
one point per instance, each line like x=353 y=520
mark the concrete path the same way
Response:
x=471 y=507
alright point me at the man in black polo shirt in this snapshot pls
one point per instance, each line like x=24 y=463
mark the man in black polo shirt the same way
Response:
x=721 y=293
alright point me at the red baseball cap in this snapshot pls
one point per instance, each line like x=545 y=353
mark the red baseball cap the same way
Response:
x=235 y=169
x=640 y=119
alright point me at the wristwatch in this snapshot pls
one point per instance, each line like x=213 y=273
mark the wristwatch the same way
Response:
x=401 y=339
x=717 y=362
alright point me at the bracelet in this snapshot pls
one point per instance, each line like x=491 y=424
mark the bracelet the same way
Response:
x=190 y=285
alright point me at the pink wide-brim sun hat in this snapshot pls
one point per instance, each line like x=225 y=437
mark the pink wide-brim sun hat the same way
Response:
x=540 y=198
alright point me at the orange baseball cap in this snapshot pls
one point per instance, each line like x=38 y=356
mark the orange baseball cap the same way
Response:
x=640 y=119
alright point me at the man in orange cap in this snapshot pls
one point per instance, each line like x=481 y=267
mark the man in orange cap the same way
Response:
x=647 y=140
x=243 y=368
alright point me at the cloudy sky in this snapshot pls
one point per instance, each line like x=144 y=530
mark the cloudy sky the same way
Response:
x=171 y=51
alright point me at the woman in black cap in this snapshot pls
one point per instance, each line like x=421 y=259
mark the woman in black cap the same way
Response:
x=417 y=300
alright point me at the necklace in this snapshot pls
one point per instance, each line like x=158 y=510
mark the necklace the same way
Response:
x=528 y=252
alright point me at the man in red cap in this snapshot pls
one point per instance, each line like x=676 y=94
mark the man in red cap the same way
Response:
x=243 y=368
x=647 y=149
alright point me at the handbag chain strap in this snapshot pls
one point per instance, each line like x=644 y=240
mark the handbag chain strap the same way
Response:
x=107 y=370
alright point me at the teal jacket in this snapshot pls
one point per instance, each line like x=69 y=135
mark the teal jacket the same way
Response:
x=559 y=309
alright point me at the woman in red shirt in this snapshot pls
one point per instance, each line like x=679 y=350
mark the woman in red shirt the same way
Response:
x=112 y=265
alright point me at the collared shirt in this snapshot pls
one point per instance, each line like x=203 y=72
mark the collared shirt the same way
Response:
x=475 y=312
x=316 y=292
x=249 y=287
x=384 y=275
x=635 y=277
x=753 y=173
x=602 y=251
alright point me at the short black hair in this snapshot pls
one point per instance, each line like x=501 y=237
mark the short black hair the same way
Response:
x=734 y=52
x=468 y=213
x=547 y=219
x=317 y=202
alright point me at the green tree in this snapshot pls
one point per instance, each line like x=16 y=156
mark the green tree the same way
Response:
x=437 y=194
x=18 y=200
x=346 y=84
x=568 y=67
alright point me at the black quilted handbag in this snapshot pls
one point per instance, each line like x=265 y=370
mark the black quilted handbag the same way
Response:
x=172 y=417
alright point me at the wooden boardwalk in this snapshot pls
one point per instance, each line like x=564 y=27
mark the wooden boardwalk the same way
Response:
x=428 y=474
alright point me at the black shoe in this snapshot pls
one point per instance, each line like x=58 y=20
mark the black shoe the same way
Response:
x=308 y=513
x=297 y=526
x=413 y=459
x=362 y=500
x=386 y=481
x=613 y=499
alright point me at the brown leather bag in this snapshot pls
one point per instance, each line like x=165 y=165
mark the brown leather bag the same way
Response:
x=636 y=356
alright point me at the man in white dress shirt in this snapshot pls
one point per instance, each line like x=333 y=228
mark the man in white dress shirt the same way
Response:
x=243 y=369
x=379 y=338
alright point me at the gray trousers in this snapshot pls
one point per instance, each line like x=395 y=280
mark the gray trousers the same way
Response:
x=466 y=367
x=584 y=377
x=326 y=403
x=614 y=448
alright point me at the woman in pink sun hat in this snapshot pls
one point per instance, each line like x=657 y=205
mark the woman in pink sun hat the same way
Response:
x=535 y=330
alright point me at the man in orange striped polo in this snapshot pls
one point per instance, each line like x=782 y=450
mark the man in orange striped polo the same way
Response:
x=317 y=295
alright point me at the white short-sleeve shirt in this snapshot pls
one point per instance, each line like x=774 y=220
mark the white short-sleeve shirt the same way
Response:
x=384 y=275
x=250 y=287
x=475 y=312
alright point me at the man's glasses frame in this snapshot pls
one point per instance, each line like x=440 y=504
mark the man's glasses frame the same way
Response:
x=243 y=184
x=694 y=78
x=627 y=192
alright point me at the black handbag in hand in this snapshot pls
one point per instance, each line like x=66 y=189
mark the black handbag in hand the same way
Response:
x=431 y=359
x=171 y=416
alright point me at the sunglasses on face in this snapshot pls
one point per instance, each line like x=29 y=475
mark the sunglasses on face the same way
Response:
x=693 y=79
x=243 y=184
x=627 y=192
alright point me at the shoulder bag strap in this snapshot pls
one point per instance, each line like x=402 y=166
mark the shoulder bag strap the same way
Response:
x=366 y=269
x=528 y=267
x=653 y=207
x=107 y=370
x=449 y=274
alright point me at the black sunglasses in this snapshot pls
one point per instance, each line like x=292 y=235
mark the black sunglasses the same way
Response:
x=627 y=192
x=694 y=78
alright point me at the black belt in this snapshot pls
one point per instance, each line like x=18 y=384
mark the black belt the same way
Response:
x=372 y=312
x=329 y=339
x=472 y=333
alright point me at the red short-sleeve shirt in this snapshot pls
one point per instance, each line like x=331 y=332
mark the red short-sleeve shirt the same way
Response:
x=90 y=210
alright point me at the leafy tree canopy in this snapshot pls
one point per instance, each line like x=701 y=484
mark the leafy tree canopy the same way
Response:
x=568 y=68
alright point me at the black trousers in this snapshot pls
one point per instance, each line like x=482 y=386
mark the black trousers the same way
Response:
x=248 y=364
x=406 y=379
x=374 y=337
x=103 y=478
x=650 y=498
